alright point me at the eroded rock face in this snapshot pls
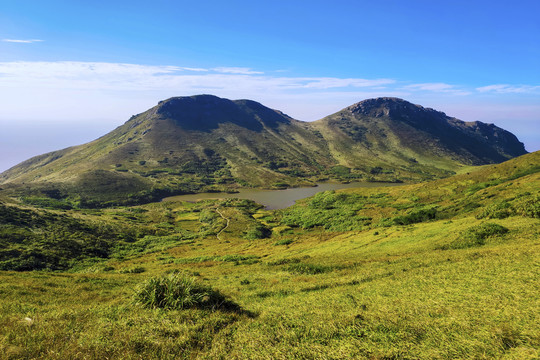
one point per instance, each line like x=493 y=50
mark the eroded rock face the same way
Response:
x=207 y=112
x=480 y=142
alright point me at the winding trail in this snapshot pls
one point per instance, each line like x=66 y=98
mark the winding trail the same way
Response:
x=226 y=226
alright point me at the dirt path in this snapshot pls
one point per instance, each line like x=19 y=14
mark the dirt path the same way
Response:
x=226 y=226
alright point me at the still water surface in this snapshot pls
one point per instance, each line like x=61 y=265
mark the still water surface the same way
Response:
x=275 y=199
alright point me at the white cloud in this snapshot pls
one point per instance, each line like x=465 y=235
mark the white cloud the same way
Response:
x=98 y=90
x=438 y=87
x=29 y=41
x=236 y=70
x=508 y=89
x=327 y=83
x=194 y=69
x=133 y=77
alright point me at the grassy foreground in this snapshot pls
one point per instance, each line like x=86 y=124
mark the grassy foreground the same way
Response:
x=444 y=270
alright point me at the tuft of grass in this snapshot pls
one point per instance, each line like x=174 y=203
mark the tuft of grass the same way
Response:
x=134 y=270
x=309 y=269
x=176 y=292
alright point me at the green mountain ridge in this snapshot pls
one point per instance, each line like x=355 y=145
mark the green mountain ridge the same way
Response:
x=206 y=143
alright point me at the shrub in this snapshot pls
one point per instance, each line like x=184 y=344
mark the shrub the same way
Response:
x=416 y=217
x=177 y=291
x=258 y=232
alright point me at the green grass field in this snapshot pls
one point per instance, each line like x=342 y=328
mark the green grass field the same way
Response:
x=442 y=270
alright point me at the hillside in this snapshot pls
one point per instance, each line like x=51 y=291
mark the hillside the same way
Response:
x=443 y=269
x=206 y=143
x=393 y=131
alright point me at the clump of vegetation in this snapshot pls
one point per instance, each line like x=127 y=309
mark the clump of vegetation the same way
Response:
x=291 y=260
x=176 y=292
x=258 y=232
x=499 y=210
x=477 y=236
x=134 y=270
x=46 y=202
x=309 y=269
x=416 y=217
x=529 y=207
x=235 y=258
x=331 y=210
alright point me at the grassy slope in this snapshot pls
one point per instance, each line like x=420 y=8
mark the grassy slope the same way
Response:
x=378 y=291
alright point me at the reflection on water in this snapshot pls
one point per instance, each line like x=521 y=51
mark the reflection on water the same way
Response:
x=275 y=199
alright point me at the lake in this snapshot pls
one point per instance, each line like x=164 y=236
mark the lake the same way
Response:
x=276 y=199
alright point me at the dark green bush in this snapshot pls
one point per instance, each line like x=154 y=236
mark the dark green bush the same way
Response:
x=416 y=217
x=292 y=260
x=258 y=232
x=35 y=240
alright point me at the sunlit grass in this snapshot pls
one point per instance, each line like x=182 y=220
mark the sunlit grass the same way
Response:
x=452 y=286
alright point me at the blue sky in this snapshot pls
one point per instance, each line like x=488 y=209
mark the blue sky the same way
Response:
x=73 y=70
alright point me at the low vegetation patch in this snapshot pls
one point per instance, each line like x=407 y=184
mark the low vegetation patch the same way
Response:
x=330 y=210
x=259 y=231
x=416 y=217
x=237 y=259
x=500 y=210
x=177 y=292
x=133 y=270
x=529 y=207
x=309 y=269
x=477 y=236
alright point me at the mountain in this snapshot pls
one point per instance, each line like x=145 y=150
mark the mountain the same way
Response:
x=397 y=130
x=206 y=143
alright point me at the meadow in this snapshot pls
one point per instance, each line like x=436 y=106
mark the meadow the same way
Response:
x=440 y=270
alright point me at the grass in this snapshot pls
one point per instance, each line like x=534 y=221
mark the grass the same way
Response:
x=461 y=284
x=176 y=292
